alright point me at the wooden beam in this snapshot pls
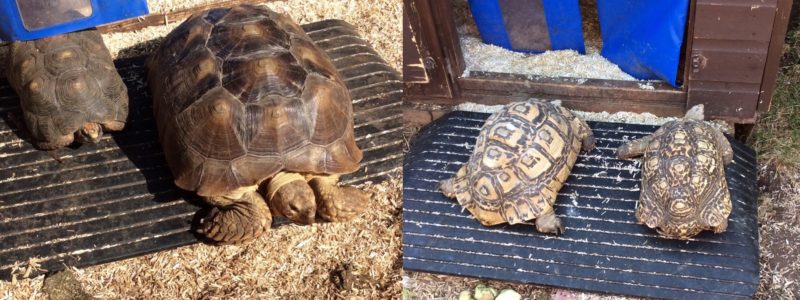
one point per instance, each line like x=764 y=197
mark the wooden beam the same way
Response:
x=573 y=87
x=170 y=17
x=772 y=66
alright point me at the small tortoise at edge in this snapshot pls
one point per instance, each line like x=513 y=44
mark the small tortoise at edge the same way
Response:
x=68 y=87
x=522 y=157
x=242 y=96
x=683 y=188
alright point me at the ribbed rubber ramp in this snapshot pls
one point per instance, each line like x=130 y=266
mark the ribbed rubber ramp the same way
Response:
x=603 y=249
x=115 y=199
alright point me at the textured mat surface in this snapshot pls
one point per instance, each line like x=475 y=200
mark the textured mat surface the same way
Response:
x=115 y=199
x=603 y=249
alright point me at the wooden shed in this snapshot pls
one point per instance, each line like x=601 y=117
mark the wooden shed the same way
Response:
x=729 y=62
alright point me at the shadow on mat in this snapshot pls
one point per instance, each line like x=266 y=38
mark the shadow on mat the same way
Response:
x=142 y=147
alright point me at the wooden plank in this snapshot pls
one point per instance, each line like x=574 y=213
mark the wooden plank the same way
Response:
x=583 y=103
x=774 y=55
x=743 y=21
x=728 y=100
x=718 y=57
x=574 y=87
x=450 y=43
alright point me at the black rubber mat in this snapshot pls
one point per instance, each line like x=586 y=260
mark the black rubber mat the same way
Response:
x=603 y=249
x=115 y=199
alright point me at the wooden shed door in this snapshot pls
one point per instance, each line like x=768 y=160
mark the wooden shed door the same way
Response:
x=728 y=53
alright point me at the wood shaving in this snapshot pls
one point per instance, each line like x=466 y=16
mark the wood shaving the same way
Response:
x=165 y=6
x=288 y=262
x=482 y=57
x=136 y=43
x=779 y=233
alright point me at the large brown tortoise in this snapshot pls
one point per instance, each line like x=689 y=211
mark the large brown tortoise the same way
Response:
x=683 y=189
x=522 y=157
x=69 y=88
x=242 y=96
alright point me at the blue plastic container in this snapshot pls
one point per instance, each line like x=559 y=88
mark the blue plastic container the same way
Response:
x=529 y=25
x=35 y=19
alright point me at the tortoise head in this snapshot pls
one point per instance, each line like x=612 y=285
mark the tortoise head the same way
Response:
x=293 y=199
x=299 y=209
x=90 y=132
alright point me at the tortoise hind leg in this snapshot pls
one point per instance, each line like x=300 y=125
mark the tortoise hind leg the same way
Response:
x=587 y=145
x=634 y=148
x=447 y=187
x=60 y=142
x=113 y=125
x=586 y=134
x=549 y=223
x=236 y=220
x=337 y=204
x=582 y=129
x=724 y=147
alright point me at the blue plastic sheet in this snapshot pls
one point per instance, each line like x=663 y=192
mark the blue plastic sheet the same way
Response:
x=564 y=24
x=644 y=37
x=563 y=19
x=14 y=26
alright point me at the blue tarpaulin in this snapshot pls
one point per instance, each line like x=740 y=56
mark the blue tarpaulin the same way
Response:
x=562 y=17
x=644 y=37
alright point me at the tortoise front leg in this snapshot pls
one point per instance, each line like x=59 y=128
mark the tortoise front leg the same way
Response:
x=236 y=218
x=335 y=203
x=634 y=148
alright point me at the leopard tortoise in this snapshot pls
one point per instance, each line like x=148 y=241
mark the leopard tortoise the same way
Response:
x=522 y=157
x=683 y=188
x=69 y=88
x=243 y=98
